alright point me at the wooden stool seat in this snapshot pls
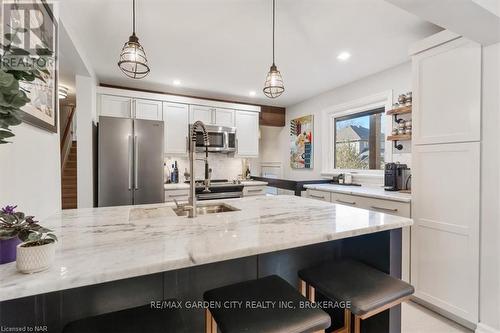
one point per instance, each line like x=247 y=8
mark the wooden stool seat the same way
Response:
x=367 y=290
x=134 y=320
x=268 y=305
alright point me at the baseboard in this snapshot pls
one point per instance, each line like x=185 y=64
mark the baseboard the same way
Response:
x=482 y=328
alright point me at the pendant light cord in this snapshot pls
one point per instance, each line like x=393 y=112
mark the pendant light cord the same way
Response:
x=133 y=17
x=274 y=18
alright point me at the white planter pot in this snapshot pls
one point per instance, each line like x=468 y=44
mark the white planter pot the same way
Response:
x=34 y=259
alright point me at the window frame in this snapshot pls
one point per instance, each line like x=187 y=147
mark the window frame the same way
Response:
x=329 y=115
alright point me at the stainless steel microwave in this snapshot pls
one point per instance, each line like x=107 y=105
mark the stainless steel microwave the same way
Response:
x=222 y=139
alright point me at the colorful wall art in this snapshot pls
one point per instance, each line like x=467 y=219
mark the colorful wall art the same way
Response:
x=301 y=142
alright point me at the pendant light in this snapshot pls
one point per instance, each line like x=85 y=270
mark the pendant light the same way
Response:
x=133 y=61
x=273 y=86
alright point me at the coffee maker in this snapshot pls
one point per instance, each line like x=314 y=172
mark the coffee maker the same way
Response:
x=396 y=177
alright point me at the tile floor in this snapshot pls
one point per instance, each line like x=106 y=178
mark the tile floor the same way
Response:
x=417 y=319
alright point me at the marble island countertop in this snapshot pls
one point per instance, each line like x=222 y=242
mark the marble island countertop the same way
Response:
x=363 y=191
x=106 y=244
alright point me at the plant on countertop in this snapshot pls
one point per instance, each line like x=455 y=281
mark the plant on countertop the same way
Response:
x=14 y=224
x=13 y=96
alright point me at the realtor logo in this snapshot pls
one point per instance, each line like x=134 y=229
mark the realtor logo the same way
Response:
x=27 y=34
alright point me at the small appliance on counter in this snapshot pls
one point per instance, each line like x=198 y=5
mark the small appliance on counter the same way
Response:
x=396 y=177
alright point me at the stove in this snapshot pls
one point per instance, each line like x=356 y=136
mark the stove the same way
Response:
x=219 y=189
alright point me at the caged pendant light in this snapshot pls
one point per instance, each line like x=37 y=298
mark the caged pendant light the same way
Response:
x=274 y=86
x=133 y=61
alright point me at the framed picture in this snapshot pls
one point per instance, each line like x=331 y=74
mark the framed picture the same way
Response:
x=301 y=142
x=42 y=109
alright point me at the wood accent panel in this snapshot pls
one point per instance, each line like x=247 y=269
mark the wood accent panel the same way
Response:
x=272 y=116
x=269 y=115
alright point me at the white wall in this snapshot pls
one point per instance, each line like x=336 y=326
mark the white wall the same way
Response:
x=85 y=119
x=398 y=79
x=30 y=171
x=489 y=305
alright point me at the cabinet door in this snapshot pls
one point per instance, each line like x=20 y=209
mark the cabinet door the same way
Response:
x=445 y=234
x=202 y=113
x=115 y=106
x=447 y=93
x=147 y=109
x=247 y=133
x=175 y=117
x=224 y=117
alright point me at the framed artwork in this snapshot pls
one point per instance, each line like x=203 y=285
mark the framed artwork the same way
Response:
x=42 y=109
x=301 y=142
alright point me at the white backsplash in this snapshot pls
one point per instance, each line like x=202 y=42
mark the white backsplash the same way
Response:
x=223 y=166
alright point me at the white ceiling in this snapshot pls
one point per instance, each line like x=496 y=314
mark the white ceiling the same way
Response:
x=222 y=48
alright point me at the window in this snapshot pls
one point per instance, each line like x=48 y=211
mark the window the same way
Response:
x=360 y=140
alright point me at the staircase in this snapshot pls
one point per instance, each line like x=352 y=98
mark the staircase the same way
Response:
x=68 y=184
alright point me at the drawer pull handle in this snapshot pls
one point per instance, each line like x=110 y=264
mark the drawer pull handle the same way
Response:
x=258 y=190
x=346 y=202
x=177 y=195
x=316 y=196
x=384 y=209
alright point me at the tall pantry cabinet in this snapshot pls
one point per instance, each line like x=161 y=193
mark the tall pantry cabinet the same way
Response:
x=446 y=174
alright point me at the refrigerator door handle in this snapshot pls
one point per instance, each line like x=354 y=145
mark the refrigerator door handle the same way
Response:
x=130 y=162
x=136 y=162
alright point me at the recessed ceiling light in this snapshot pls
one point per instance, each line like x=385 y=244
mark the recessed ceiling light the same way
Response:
x=252 y=93
x=177 y=83
x=343 y=56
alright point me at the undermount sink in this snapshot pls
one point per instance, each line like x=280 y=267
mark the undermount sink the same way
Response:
x=206 y=209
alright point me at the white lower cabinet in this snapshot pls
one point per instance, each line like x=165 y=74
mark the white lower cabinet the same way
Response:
x=249 y=191
x=379 y=205
x=445 y=235
x=179 y=195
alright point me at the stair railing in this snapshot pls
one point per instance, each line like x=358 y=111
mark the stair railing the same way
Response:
x=66 y=139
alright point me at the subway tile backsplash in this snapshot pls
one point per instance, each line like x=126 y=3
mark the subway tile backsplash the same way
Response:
x=223 y=166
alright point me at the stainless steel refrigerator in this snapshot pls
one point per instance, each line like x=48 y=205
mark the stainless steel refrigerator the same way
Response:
x=130 y=162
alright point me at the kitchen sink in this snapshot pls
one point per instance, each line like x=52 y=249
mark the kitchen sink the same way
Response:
x=206 y=209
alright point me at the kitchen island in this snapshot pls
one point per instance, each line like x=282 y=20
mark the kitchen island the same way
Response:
x=116 y=257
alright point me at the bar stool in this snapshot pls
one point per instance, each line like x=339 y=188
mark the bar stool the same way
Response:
x=368 y=290
x=134 y=320
x=292 y=318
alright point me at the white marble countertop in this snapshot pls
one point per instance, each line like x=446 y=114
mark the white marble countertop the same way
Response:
x=253 y=183
x=183 y=186
x=363 y=191
x=98 y=245
x=173 y=186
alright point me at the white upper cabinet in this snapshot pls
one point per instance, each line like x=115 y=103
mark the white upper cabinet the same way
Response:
x=247 y=133
x=148 y=109
x=115 y=106
x=202 y=113
x=224 y=117
x=211 y=116
x=447 y=93
x=176 y=118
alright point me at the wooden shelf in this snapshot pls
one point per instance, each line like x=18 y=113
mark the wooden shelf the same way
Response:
x=401 y=110
x=403 y=137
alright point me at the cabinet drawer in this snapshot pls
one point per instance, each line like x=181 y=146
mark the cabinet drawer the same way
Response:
x=319 y=195
x=378 y=205
x=386 y=206
x=254 y=190
x=347 y=199
x=179 y=195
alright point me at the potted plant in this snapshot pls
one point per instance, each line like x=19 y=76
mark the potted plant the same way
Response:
x=14 y=228
x=37 y=253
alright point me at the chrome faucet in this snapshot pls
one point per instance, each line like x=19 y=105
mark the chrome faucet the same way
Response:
x=198 y=126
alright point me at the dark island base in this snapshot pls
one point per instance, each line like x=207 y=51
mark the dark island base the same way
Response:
x=53 y=310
